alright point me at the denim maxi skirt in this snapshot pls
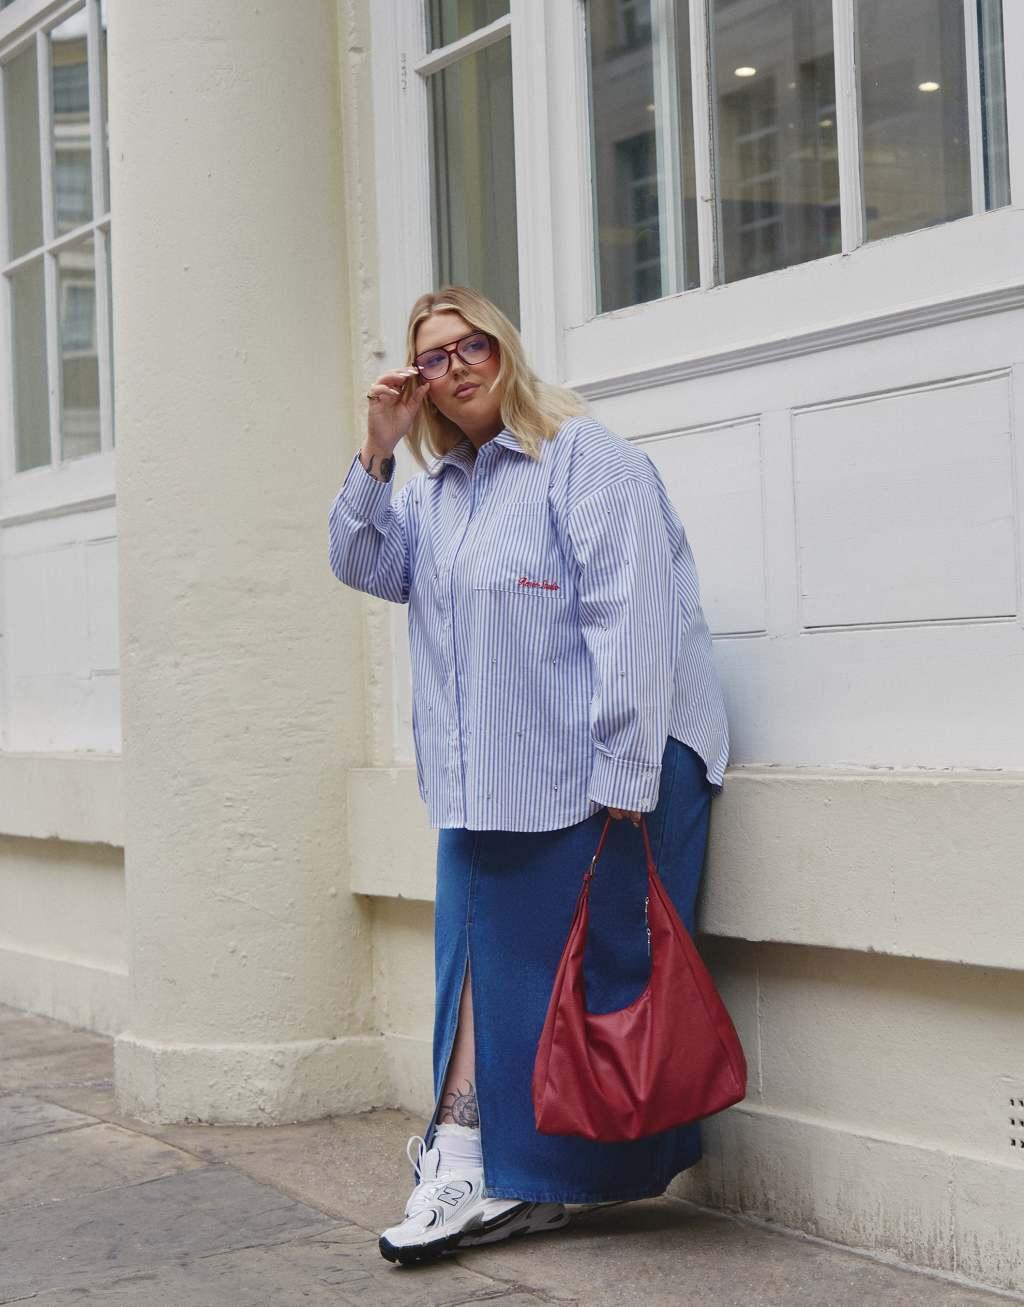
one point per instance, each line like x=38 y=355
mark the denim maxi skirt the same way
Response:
x=504 y=904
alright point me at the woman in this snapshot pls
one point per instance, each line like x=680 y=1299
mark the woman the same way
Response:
x=562 y=671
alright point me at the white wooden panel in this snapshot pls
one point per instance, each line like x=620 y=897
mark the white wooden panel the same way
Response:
x=101 y=587
x=908 y=696
x=930 y=694
x=61 y=666
x=905 y=507
x=714 y=479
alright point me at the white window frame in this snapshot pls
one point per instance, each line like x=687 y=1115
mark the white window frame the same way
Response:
x=89 y=480
x=869 y=290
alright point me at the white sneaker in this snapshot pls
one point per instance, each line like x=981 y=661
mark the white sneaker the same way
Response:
x=447 y=1209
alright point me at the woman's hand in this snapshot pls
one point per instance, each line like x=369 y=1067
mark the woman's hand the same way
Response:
x=619 y=813
x=394 y=400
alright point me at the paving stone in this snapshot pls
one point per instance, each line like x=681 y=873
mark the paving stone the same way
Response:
x=220 y=1235
x=24 y=1035
x=663 y=1251
x=212 y=1210
x=46 y=1168
x=343 y=1165
x=340 y=1267
x=34 y=1072
x=23 y=1117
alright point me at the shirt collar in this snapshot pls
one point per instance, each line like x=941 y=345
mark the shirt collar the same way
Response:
x=463 y=456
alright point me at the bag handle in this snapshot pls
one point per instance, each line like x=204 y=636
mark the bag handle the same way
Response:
x=590 y=872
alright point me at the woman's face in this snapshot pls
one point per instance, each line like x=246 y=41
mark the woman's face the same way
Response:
x=475 y=410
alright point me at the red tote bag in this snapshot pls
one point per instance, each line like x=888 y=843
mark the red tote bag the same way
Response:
x=671 y=1057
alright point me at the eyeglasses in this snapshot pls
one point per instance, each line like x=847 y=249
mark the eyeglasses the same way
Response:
x=472 y=349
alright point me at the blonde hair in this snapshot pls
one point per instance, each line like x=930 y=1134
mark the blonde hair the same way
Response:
x=531 y=408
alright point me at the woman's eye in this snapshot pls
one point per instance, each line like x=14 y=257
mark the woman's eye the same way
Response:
x=475 y=346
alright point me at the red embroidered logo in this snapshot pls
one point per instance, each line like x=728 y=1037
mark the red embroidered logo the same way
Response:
x=542 y=585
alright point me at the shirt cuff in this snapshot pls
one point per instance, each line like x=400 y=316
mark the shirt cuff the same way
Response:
x=620 y=783
x=365 y=498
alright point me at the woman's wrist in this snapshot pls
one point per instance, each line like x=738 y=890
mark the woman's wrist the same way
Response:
x=379 y=463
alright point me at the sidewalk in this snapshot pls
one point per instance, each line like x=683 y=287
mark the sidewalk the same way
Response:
x=99 y=1208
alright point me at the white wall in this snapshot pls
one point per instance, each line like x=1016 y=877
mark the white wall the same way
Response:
x=851 y=482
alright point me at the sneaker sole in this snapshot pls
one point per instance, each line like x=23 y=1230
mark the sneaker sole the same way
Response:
x=536 y=1222
x=491 y=1232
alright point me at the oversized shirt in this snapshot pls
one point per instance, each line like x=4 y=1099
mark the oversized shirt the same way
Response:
x=556 y=634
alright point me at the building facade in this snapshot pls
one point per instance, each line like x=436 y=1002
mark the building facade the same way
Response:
x=777 y=243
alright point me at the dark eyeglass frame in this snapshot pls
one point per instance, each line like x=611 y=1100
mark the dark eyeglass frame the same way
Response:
x=453 y=348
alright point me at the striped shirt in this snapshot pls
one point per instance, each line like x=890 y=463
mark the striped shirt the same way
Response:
x=556 y=634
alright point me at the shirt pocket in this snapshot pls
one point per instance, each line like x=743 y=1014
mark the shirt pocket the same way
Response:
x=516 y=555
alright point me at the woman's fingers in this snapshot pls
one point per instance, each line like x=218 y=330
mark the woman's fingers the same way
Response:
x=619 y=813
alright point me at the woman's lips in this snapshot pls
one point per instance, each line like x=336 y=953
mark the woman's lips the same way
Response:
x=466 y=389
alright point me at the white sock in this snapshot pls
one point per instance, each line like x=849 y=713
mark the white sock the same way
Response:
x=459 y=1145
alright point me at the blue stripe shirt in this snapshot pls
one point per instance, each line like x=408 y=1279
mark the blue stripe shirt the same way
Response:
x=556 y=634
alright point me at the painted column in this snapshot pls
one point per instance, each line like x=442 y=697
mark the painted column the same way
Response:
x=240 y=653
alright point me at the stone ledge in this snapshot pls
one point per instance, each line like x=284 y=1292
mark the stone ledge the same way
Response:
x=92 y=998
x=62 y=796
x=909 y=862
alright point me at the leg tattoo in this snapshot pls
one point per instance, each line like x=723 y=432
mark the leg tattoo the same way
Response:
x=459 y=1107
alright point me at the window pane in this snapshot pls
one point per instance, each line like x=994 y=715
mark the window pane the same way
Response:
x=448 y=20
x=31 y=400
x=103 y=99
x=776 y=120
x=71 y=147
x=108 y=237
x=628 y=174
x=24 y=188
x=80 y=399
x=993 y=104
x=473 y=172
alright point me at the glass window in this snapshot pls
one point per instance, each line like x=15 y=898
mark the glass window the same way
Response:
x=913 y=96
x=645 y=206
x=995 y=144
x=109 y=238
x=69 y=75
x=21 y=134
x=31 y=392
x=915 y=112
x=72 y=179
x=35 y=223
x=79 y=368
x=449 y=20
x=776 y=134
x=474 y=175
x=103 y=100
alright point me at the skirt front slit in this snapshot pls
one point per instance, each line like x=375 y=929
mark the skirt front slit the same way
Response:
x=504 y=903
